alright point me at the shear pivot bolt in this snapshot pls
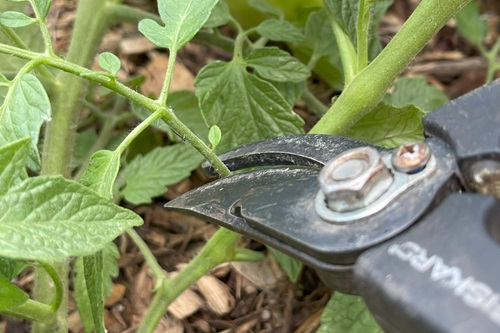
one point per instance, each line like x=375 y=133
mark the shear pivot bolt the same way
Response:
x=354 y=179
x=411 y=157
x=350 y=169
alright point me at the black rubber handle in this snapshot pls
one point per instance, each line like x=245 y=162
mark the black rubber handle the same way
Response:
x=442 y=275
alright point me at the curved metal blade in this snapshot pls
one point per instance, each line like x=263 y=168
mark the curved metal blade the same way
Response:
x=218 y=201
x=308 y=150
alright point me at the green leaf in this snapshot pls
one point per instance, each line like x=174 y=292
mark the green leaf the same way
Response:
x=109 y=62
x=30 y=35
x=378 y=11
x=12 y=162
x=290 y=265
x=245 y=107
x=345 y=12
x=93 y=273
x=265 y=7
x=182 y=19
x=291 y=91
x=15 y=19
x=389 y=126
x=319 y=35
x=471 y=25
x=416 y=91
x=147 y=176
x=347 y=314
x=273 y=64
x=50 y=218
x=220 y=16
x=214 y=136
x=10 y=268
x=82 y=297
x=43 y=6
x=101 y=172
x=186 y=108
x=24 y=110
x=110 y=255
x=10 y=295
x=281 y=31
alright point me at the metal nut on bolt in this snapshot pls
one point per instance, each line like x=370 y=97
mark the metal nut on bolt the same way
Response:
x=411 y=157
x=354 y=179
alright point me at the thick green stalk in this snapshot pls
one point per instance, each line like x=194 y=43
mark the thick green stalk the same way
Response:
x=90 y=25
x=219 y=249
x=368 y=88
x=314 y=103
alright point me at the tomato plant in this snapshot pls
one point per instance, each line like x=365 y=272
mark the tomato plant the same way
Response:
x=53 y=212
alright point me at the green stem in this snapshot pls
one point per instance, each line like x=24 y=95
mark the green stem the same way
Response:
x=138 y=130
x=33 y=311
x=491 y=57
x=46 y=291
x=14 y=37
x=172 y=57
x=260 y=43
x=312 y=61
x=156 y=269
x=58 y=285
x=59 y=136
x=239 y=43
x=152 y=105
x=47 y=38
x=178 y=126
x=219 y=249
x=369 y=87
x=314 y=103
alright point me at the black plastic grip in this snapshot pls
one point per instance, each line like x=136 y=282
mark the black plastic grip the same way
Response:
x=442 y=275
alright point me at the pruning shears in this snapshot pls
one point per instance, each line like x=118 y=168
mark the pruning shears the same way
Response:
x=415 y=231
